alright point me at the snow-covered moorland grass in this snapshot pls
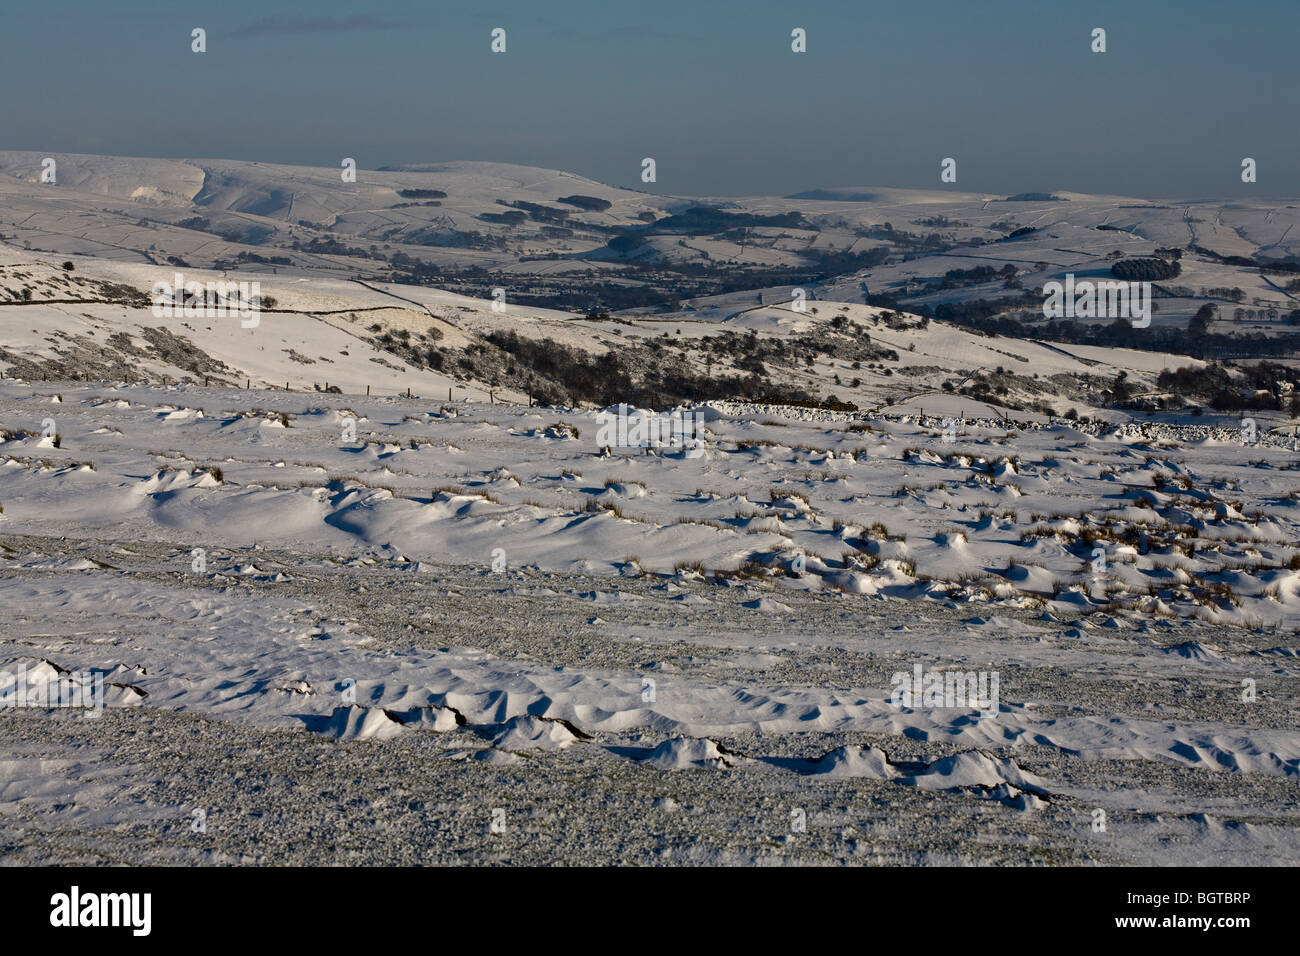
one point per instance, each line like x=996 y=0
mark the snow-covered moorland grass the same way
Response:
x=484 y=587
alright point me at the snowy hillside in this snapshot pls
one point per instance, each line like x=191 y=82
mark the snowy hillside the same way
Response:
x=490 y=514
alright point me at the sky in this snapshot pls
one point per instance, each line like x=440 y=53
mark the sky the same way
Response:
x=709 y=88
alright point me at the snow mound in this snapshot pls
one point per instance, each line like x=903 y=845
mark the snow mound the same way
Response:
x=975 y=768
x=691 y=753
x=497 y=758
x=538 y=733
x=123 y=695
x=767 y=606
x=1016 y=798
x=43 y=672
x=620 y=489
x=1194 y=650
x=362 y=723
x=853 y=761
x=441 y=719
x=854 y=582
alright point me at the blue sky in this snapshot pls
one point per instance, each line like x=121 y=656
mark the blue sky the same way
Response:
x=710 y=89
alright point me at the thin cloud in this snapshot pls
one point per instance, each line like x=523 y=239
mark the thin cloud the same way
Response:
x=360 y=21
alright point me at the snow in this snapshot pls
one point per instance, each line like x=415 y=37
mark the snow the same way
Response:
x=470 y=605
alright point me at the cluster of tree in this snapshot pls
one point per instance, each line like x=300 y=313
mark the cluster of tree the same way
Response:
x=848 y=342
x=708 y=221
x=1247 y=262
x=329 y=246
x=1121 y=392
x=512 y=218
x=1017 y=233
x=693 y=278
x=1196 y=383
x=539 y=213
x=1145 y=270
x=994 y=317
x=961 y=278
x=422 y=194
x=1262 y=315
x=940 y=222
x=1252 y=387
x=1222 y=292
x=627 y=244
x=826 y=263
x=1199 y=326
x=442 y=237
x=578 y=295
x=635 y=375
x=251 y=234
x=987 y=315
x=590 y=203
x=1256 y=346
x=246 y=256
x=246 y=234
x=909 y=243
x=412 y=271
x=410 y=349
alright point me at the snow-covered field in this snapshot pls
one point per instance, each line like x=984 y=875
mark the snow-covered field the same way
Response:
x=327 y=623
x=350 y=629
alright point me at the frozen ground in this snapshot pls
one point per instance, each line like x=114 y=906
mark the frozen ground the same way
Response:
x=684 y=659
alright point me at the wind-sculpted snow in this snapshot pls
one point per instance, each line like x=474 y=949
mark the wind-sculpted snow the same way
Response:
x=1156 y=520
x=491 y=585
